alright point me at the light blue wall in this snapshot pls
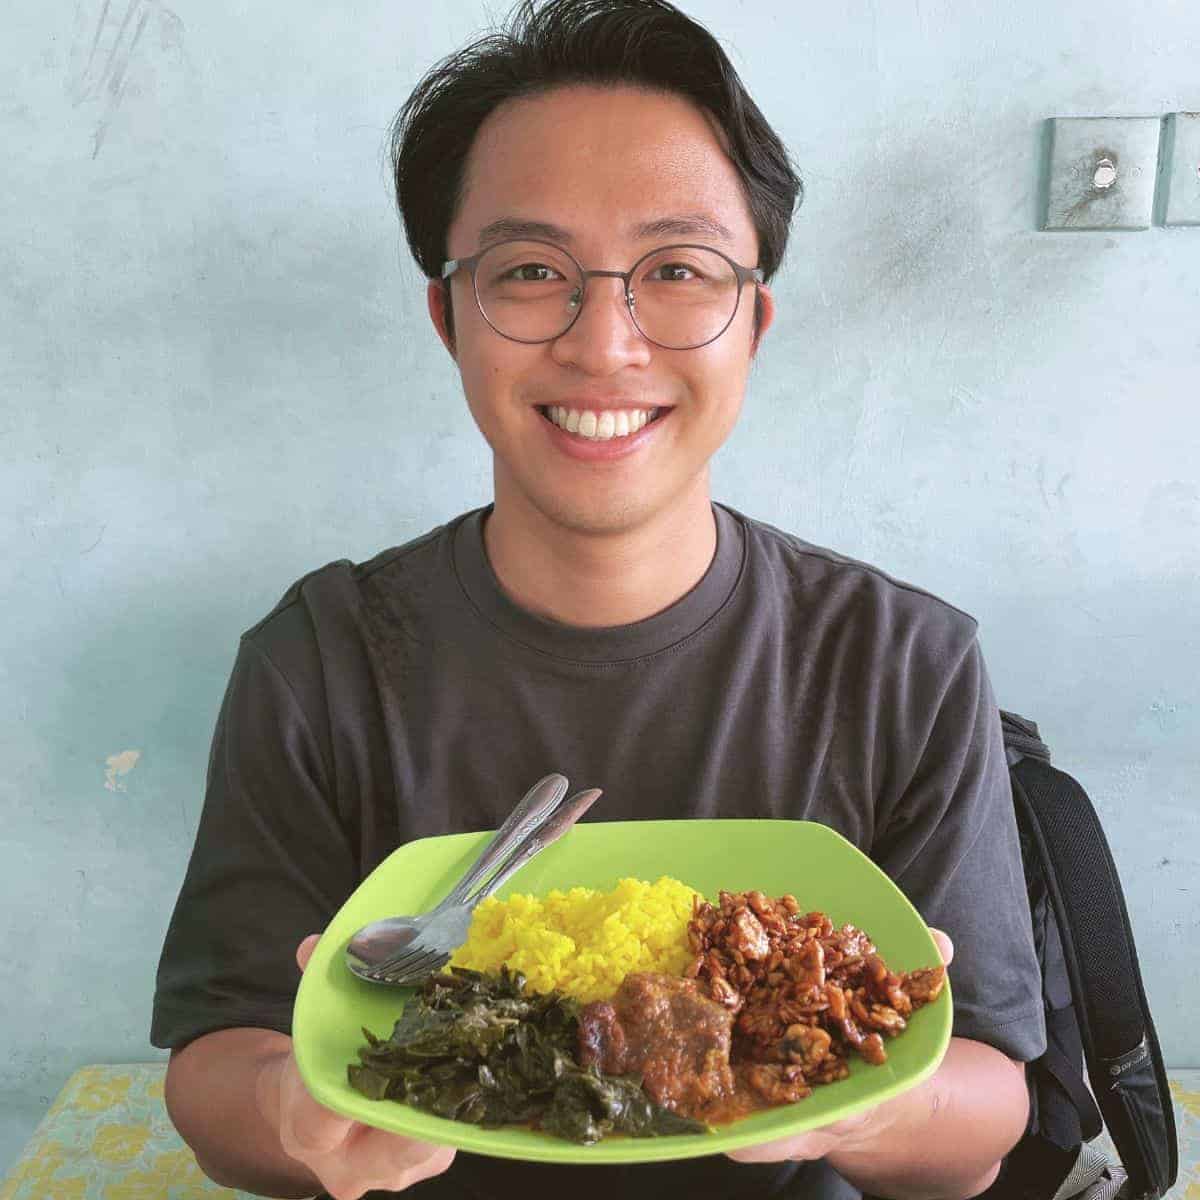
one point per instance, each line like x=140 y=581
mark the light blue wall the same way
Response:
x=217 y=373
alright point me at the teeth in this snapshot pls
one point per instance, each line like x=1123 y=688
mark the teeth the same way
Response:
x=601 y=426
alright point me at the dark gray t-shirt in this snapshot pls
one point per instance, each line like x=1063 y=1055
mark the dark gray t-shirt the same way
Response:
x=409 y=697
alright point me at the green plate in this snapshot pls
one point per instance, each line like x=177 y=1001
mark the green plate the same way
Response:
x=817 y=865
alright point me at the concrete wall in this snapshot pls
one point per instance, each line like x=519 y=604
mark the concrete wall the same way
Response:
x=217 y=373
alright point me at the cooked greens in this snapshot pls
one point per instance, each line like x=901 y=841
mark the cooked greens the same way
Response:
x=478 y=1048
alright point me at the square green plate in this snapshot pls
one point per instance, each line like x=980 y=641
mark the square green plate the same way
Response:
x=817 y=865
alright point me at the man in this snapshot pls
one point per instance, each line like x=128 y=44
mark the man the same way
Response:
x=602 y=617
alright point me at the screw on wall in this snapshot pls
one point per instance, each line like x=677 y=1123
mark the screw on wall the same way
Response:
x=1100 y=172
x=1105 y=174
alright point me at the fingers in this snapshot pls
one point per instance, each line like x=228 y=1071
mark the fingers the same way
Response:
x=305 y=950
x=797 y=1148
x=348 y=1158
x=944 y=944
x=804 y=1147
x=819 y=1143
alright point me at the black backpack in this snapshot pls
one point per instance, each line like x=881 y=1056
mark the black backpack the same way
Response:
x=1096 y=1011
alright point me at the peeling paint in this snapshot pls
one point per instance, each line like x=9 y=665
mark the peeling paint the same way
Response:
x=120 y=765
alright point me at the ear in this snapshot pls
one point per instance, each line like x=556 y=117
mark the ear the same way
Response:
x=435 y=298
x=768 y=316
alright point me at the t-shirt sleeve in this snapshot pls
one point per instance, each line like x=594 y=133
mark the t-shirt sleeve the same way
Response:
x=951 y=845
x=271 y=864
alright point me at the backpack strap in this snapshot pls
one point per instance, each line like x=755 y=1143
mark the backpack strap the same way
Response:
x=1021 y=739
x=1069 y=1079
x=1120 y=1044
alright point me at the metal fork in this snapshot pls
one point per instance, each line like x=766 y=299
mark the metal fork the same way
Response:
x=436 y=934
x=378 y=944
x=431 y=950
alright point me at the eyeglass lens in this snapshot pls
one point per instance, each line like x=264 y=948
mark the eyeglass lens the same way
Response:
x=683 y=296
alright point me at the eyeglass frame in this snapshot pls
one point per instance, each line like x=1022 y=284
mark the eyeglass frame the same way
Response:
x=744 y=275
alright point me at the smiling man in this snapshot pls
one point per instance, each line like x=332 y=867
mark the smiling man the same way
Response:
x=599 y=207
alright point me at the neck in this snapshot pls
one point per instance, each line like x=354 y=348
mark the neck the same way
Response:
x=594 y=580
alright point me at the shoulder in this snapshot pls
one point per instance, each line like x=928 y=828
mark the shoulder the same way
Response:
x=325 y=605
x=835 y=595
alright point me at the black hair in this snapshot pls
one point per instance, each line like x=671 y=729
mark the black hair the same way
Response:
x=642 y=43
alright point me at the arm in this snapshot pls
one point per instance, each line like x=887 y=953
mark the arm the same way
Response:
x=274 y=857
x=949 y=840
x=212 y=1093
x=947 y=836
x=237 y=1099
x=941 y=1141
x=944 y=1139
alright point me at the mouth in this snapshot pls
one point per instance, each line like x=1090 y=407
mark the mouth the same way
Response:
x=601 y=426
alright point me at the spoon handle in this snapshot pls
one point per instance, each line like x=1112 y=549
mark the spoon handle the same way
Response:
x=536 y=805
x=555 y=826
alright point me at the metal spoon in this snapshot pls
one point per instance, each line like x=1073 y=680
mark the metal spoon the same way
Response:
x=380 y=943
x=432 y=948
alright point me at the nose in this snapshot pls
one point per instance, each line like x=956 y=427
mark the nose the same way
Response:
x=604 y=338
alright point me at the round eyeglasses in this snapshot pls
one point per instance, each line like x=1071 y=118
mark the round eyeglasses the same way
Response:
x=680 y=297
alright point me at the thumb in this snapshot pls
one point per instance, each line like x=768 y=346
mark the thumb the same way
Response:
x=944 y=944
x=307 y=1127
x=304 y=1126
x=305 y=950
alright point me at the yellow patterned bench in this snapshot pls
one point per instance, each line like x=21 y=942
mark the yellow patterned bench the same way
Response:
x=107 y=1136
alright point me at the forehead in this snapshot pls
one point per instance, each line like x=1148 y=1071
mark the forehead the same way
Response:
x=600 y=162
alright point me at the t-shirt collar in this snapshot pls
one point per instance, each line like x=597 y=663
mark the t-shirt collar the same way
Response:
x=609 y=644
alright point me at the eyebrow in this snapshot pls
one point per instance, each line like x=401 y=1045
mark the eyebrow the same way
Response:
x=683 y=225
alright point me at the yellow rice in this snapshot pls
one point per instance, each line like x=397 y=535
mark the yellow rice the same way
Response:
x=582 y=942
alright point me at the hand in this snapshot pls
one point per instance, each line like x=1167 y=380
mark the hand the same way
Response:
x=348 y=1158
x=849 y=1134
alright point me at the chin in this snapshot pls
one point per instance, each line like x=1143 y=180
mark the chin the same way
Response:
x=596 y=518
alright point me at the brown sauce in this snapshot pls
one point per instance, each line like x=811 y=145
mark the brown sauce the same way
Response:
x=741 y=1102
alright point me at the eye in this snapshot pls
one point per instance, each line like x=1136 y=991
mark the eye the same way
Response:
x=531 y=273
x=669 y=272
